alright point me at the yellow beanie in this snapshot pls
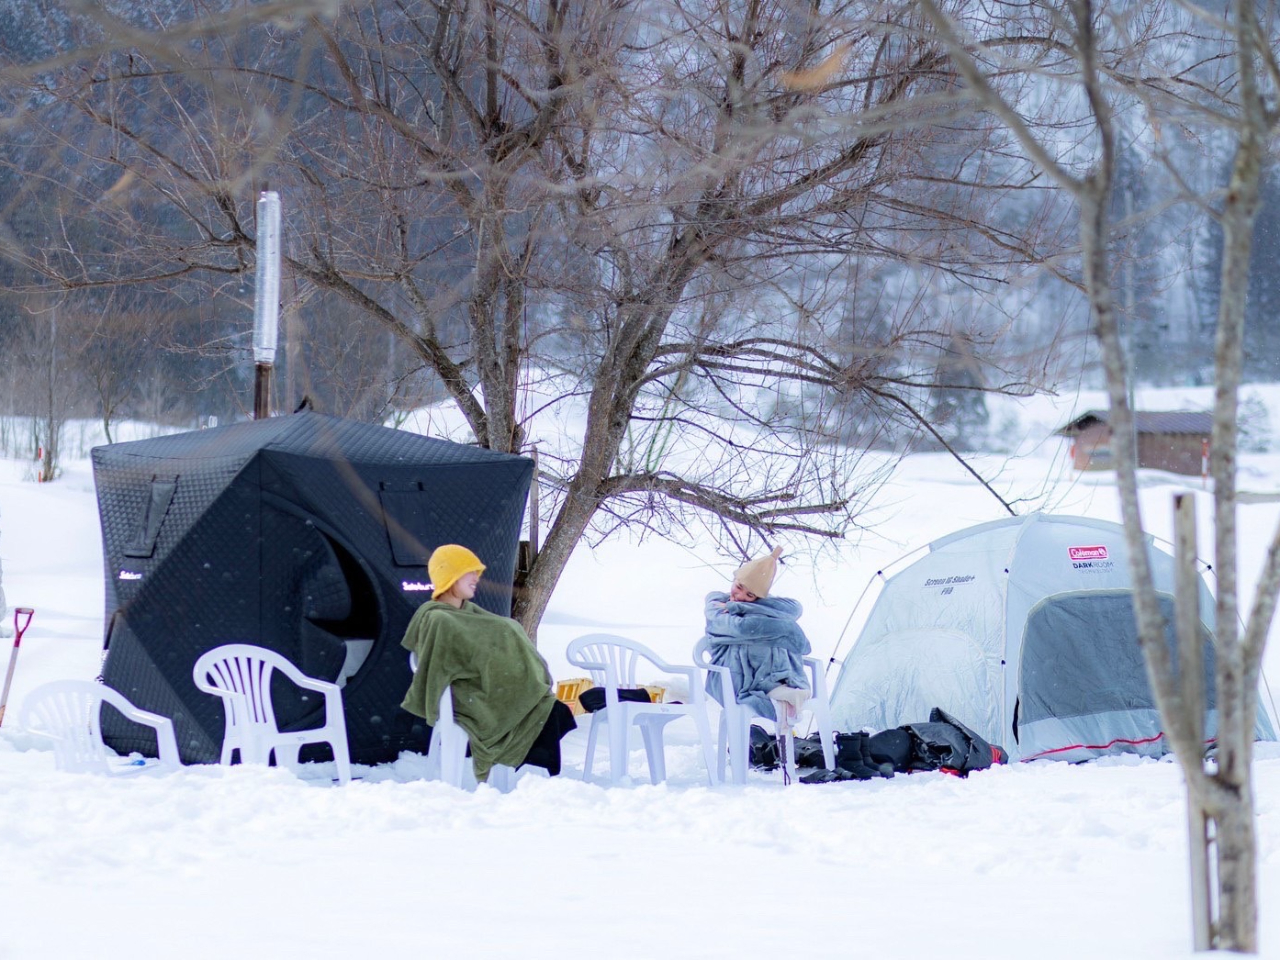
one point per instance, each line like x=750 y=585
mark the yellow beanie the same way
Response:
x=449 y=562
x=757 y=575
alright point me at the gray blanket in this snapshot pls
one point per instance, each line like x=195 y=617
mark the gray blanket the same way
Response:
x=762 y=645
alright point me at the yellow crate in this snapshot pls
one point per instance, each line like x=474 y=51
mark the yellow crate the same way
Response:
x=568 y=691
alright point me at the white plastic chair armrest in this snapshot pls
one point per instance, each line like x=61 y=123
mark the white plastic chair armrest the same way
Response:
x=332 y=697
x=311 y=683
x=166 y=742
x=818 y=676
x=726 y=681
x=142 y=716
x=692 y=674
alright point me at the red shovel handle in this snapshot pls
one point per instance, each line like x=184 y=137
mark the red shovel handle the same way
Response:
x=23 y=614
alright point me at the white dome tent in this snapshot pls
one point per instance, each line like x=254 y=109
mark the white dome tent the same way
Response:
x=1023 y=629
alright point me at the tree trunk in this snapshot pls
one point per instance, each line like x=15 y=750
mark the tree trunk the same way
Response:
x=1235 y=846
x=1192 y=704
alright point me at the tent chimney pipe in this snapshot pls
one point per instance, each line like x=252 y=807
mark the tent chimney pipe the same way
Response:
x=266 y=301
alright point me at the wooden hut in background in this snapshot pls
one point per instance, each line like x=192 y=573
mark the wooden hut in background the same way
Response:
x=1173 y=440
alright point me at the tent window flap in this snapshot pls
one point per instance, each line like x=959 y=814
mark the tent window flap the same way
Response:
x=405 y=512
x=153 y=514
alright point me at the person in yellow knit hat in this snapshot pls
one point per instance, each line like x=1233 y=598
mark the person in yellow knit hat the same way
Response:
x=501 y=685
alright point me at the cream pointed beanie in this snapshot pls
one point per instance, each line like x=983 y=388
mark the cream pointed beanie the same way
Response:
x=757 y=575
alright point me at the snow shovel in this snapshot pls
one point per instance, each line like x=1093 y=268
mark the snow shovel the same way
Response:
x=21 y=620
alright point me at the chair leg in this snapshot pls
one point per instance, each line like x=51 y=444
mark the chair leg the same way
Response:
x=449 y=744
x=341 y=760
x=739 y=726
x=434 y=768
x=828 y=738
x=827 y=734
x=714 y=774
x=502 y=778
x=618 y=730
x=286 y=756
x=651 y=734
x=722 y=745
x=456 y=758
x=451 y=772
x=591 y=746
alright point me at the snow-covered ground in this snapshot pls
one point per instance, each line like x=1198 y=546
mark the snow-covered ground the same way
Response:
x=1046 y=859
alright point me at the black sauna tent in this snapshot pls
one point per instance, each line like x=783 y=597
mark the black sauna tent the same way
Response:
x=305 y=534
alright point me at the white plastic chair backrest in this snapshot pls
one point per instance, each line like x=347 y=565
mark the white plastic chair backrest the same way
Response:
x=240 y=673
x=70 y=711
x=610 y=659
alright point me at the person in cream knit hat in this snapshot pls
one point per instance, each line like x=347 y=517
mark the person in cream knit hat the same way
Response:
x=755 y=577
x=757 y=637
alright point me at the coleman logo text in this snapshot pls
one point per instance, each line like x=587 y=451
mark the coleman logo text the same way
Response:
x=1087 y=553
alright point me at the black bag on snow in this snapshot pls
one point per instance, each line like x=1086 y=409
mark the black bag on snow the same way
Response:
x=944 y=743
x=764 y=750
x=894 y=747
x=809 y=751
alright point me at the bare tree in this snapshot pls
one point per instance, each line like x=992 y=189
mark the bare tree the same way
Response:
x=43 y=362
x=114 y=339
x=1117 y=59
x=650 y=219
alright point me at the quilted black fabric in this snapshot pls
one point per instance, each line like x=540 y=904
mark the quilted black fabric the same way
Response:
x=296 y=533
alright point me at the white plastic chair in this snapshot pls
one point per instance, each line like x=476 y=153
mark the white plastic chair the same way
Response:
x=447 y=753
x=611 y=662
x=240 y=673
x=69 y=713
x=736 y=718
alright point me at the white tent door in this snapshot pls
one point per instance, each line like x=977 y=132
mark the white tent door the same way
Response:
x=899 y=677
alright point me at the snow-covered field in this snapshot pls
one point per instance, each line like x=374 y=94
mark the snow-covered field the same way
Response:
x=1043 y=860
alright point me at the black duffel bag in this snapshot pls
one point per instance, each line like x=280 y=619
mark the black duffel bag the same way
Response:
x=944 y=743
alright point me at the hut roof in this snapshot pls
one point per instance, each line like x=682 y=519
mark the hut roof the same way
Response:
x=1147 y=421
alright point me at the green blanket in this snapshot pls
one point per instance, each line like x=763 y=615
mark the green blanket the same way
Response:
x=501 y=685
